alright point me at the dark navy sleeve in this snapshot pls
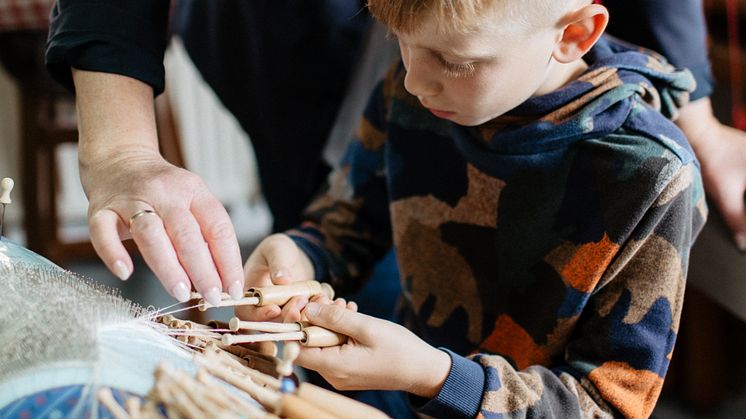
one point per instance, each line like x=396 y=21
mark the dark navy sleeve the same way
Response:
x=461 y=394
x=674 y=28
x=112 y=36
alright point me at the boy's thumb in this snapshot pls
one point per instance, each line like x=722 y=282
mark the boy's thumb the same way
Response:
x=336 y=318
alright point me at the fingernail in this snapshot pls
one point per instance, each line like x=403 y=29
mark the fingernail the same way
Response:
x=312 y=309
x=180 y=292
x=278 y=274
x=121 y=271
x=212 y=296
x=740 y=239
x=236 y=290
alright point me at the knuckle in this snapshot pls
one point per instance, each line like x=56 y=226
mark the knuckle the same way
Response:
x=184 y=237
x=278 y=239
x=335 y=315
x=219 y=231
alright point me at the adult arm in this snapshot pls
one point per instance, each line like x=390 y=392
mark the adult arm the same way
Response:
x=121 y=37
x=192 y=241
x=677 y=29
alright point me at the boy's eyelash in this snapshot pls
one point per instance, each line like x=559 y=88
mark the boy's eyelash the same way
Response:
x=456 y=70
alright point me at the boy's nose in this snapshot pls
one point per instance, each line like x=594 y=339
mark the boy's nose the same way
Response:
x=420 y=79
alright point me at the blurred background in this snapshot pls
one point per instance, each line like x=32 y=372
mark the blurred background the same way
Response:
x=48 y=215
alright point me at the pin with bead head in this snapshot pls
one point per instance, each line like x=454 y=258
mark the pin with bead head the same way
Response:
x=6 y=185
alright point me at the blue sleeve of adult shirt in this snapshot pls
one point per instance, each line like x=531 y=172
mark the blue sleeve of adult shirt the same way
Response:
x=113 y=36
x=674 y=28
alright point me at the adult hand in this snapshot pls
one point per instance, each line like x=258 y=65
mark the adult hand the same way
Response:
x=722 y=152
x=182 y=231
x=276 y=260
x=379 y=355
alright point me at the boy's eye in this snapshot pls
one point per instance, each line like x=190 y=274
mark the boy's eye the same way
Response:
x=456 y=70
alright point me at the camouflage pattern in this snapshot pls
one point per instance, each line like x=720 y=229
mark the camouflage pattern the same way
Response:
x=549 y=245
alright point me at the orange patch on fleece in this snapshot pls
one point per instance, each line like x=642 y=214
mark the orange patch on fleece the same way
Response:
x=511 y=340
x=371 y=138
x=634 y=392
x=588 y=263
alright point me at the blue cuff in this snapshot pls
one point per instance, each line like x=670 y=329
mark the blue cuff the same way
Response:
x=461 y=394
x=308 y=242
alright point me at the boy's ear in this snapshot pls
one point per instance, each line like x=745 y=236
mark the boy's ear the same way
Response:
x=582 y=28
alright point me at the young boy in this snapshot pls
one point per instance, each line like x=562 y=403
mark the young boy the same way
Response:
x=541 y=205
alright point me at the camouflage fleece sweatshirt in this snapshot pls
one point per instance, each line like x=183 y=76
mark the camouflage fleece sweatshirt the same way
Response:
x=545 y=250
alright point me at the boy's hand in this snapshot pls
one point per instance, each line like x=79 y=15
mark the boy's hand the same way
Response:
x=379 y=354
x=276 y=261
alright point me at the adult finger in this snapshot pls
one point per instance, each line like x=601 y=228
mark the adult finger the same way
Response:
x=217 y=229
x=156 y=248
x=104 y=227
x=193 y=253
x=341 y=320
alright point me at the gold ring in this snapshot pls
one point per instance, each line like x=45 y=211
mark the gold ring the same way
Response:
x=140 y=214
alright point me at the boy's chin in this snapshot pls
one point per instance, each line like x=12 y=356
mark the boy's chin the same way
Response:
x=471 y=121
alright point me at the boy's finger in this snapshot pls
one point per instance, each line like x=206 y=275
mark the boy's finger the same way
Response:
x=352 y=306
x=258 y=314
x=339 y=319
x=280 y=253
x=291 y=311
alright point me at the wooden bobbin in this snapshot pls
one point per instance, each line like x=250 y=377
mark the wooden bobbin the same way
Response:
x=203 y=305
x=281 y=294
x=313 y=336
x=107 y=399
x=319 y=337
x=337 y=404
x=229 y=339
x=194 y=295
x=206 y=400
x=217 y=324
x=212 y=361
x=235 y=324
x=169 y=395
x=290 y=352
x=242 y=405
x=134 y=408
x=292 y=406
x=166 y=319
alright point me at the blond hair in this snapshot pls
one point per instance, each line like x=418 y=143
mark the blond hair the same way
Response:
x=406 y=16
